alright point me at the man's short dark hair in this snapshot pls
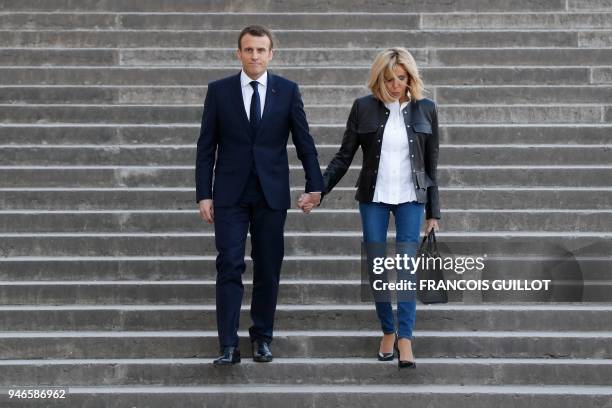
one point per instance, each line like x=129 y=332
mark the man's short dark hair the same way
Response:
x=256 y=31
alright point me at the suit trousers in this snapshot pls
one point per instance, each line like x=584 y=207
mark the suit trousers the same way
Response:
x=266 y=226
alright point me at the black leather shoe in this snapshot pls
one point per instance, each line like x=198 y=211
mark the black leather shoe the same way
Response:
x=261 y=351
x=229 y=356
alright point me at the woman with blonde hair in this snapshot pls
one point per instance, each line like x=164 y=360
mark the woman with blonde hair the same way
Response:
x=397 y=130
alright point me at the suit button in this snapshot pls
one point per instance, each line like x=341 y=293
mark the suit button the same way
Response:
x=407 y=125
x=412 y=155
x=375 y=171
x=386 y=113
x=378 y=140
x=382 y=125
x=377 y=156
x=405 y=112
x=411 y=140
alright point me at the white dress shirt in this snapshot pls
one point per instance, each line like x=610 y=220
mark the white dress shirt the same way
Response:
x=247 y=91
x=394 y=179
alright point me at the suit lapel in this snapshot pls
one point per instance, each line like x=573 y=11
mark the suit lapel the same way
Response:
x=239 y=102
x=270 y=100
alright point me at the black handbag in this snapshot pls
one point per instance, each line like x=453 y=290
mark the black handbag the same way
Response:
x=429 y=249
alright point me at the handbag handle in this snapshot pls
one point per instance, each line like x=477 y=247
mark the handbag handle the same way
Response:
x=432 y=244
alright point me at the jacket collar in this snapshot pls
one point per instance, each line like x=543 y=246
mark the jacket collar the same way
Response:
x=245 y=80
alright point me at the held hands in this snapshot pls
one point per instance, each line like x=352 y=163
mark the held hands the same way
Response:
x=206 y=210
x=308 y=201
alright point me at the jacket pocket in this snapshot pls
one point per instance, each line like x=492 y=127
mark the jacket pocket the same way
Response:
x=422 y=127
x=423 y=180
x=367 y=127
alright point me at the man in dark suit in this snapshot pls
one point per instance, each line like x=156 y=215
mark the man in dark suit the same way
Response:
x=246 y=123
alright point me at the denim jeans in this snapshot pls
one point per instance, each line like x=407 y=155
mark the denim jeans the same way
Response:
x=375 y=222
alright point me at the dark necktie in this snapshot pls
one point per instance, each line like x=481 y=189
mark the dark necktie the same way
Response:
x=255 y=113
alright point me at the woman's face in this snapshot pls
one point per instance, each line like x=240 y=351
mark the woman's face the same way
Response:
x=398 y=85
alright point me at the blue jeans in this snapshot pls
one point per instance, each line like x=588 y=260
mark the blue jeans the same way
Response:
x=375 y=222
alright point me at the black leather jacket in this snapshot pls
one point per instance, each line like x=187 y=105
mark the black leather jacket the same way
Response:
x=365 y=128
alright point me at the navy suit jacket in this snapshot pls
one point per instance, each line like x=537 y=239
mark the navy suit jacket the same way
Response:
x=227 y=134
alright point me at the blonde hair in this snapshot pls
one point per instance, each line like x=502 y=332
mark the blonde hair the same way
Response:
x=383 y=66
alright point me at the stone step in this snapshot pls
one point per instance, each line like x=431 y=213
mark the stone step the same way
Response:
x=340 y=38
x=484 y=21
x=313 y=21
x=509 y=133
x=567 y=198
x=120 y=177
x=523 y=243
x=308 y=57
x=232 y=20
x=183 y=155
x=313 y=267
x=311 y=94
x=324 y=114
x=453 y=316
x=184 y=344
x=299 y=292
x=425 y=57
x=342 y=75
x=324 y=371
x=295 y=7
x=566 y=285
x=184 y=292
x=517 y=94
x=53 y=56
x=319 y=220
x=341 y=396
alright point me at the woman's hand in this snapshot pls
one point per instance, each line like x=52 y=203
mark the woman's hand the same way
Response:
x=308 y=201
x=431 y=223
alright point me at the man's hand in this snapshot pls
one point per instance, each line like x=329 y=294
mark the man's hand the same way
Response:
x=206 y=210
x=308 y=201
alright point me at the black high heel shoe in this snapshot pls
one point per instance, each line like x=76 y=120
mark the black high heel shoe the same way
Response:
x=387 y=356
x=403 y=363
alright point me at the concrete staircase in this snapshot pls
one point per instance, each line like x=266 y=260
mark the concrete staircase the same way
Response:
x=107 y=272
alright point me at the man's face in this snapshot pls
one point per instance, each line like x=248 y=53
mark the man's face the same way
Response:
x=255 y=55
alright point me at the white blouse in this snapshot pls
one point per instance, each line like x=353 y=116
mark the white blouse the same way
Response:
x=394 y=179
